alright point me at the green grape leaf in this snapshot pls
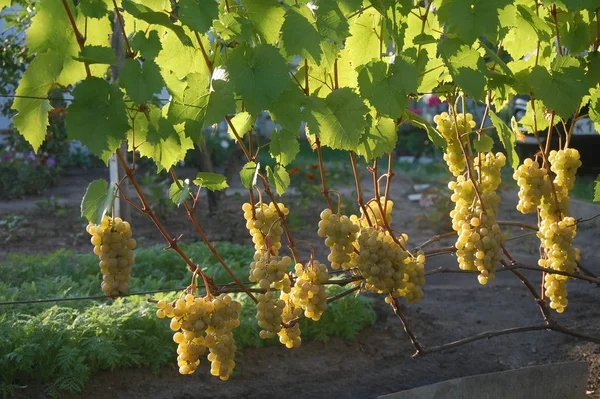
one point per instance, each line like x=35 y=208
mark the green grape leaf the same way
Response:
x=563 y=88
x=423 y=38
x=287 y=110
x=466 y=67
x=483 y=143
x=179 y=191
x=212 y=181
x=597 y=189
x=266 y=16
x=97 y=55
x=94 y=8
x=31 y=119
x=284 y=146
x=198 y=14
x=414 y=28
x=141 y=80
x=161 y=140
x=507 y=138
x=470 y=19
x=232 y=26
x=98 y=200
x=201 y=102
x=278 y=177
x=340 y=119
x=299 y=35
x=434 y=135
x=528 y=29
x=593 y=68
x=242 y=123
x=380 y=138
x=248 y=174
x=258 y=74
x=540 y=121
x=594 y=110
x=4 y=3
x=97 y=116
x=363 y=44
x=180 y=58
x=349 y=6
x=330 y=21
x=147 y=14
x=148 y=47
x=386 y=86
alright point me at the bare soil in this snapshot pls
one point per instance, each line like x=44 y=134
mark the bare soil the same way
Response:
x=379 y=361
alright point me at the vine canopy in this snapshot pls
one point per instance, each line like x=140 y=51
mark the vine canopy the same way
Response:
x=344 y=68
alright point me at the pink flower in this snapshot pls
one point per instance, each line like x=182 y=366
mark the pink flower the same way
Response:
x=6 y=157
x=433 y=101
x=51 y=162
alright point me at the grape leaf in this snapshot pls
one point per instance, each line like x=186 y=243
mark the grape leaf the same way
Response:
x=98 y=200
x=4 y=3
x=528 y=29
x=97 y=55
x=258 y=74
x=266 y=16
x=363 y=44
x=141 y=80
x=563 y=88
x=470 y=19
x=287 y=110
x=97 y=116
x=299 y=35
x=232 y=26
x=507 y=138
x=466 y=67
x=165 y=143
x=483 y=143
x=148 y=47
x=242 y=122
x=248 y=174
x=279 y=177
x=380 y=138
x=94 y=8
x=180 y=58
x=386 y=86
x=434 y=135
x=179 y=191
x=540 y=112
x=212 y=181
x=594 y=110
x=198 y=14
x=147 y=14
x=330 y=21
x=31 y=119
x=339 y=119
x=284 y=146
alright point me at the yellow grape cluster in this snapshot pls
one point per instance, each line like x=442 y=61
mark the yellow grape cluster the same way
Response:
x=479 y=235
x=387 y=267
x=308 y=292
x=264 y=226
x=267 y=270
x=290 y=336
x=114 y=246
x=534 y=184
x=375 y=215
x=202 y=323
x=339 y=233
x=452 y=126
x=564 y=163
x=268 y=314
x=557 y=230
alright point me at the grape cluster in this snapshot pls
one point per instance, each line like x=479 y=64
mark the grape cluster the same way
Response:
x=309 y=293
x=564 y=163
x=290 y=336
x=339 y=233
x=264 y=226
x=375 y=215
x=479 y=235
x=205 y=323
x=451 y=127
x=113 y=244
x=387 y=267
x=267 y=269
x=269 y=311
x=534 y=184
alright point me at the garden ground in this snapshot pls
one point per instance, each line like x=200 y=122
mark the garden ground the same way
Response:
x=379 y=360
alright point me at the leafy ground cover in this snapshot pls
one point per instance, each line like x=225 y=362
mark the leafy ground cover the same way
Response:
x=60 y=345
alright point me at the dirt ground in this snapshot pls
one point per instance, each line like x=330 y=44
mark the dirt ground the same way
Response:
x=379 y=361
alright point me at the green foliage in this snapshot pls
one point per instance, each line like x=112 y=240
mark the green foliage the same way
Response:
x=98 y=200
x=61 y=345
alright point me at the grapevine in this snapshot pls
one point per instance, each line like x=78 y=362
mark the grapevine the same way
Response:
x=220 y=62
